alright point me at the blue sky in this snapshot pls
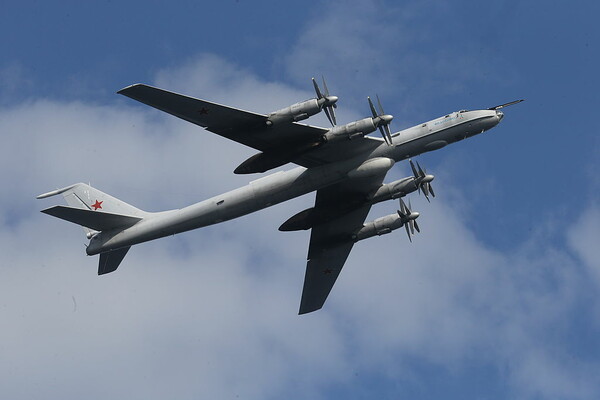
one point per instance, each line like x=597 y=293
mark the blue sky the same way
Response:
x=495 y=299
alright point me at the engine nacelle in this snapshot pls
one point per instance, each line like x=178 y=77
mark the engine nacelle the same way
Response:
x=295 y=112
x=378 y=227
x=394 y=190
x=372 y=167
x=349 y=131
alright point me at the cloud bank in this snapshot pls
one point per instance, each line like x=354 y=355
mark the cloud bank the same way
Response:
x=212 y=313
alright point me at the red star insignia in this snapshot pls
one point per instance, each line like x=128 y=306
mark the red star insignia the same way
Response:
x=97 y=204
x=203 y=110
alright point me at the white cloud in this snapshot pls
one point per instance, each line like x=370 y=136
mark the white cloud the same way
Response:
x=583 y=238
x=212 y=313
x=392 y=49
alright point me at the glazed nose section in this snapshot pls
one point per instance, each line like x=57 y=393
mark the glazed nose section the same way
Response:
x=500 y=115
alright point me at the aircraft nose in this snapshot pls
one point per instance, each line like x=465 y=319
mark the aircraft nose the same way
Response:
x=500 y=115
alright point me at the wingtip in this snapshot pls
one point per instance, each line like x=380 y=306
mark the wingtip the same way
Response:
x=128 y=88
x=307 y=310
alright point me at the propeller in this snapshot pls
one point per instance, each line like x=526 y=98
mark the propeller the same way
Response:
x=422 y=180
x=382 y=121
x=506 y=104
x=408 y=219
x=325 y=101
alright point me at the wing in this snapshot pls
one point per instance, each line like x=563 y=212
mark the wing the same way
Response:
x=279 y=144
x=241 y=126
x=331 y=241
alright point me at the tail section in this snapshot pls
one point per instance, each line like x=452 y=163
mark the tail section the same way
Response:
x=96 y=211
x=84 y=196
x=93 y=220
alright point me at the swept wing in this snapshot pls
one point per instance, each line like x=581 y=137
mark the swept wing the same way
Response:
x=279 y=143
x=241 y=126
x=331 y=241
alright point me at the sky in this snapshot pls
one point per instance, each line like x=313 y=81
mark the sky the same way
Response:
x=496 y=298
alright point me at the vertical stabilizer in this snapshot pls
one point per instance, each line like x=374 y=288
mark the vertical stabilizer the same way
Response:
x=81 y=195
x=96 y=212
x=85 y=197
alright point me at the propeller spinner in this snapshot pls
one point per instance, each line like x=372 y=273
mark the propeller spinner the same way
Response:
x=422 y=180
x=382 y=121
x=409 y=219
x=325 y=101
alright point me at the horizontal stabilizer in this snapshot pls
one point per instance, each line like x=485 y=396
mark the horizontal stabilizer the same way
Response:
x=97 y=220
x=110 y=260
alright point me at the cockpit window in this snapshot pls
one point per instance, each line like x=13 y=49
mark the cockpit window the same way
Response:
x=462 y=111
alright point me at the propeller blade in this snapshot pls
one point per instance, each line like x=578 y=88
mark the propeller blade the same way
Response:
x=372 y=108
x=385 y=134
x=412 y=226
x=388 y=134
x=403 y=207
x=317 y=90
x=506 y=104
x=414 y=170
x=381 y=112
x=417 y=226
x=426 y=191
x=330 y=115
x=421 y=171
x=430 y=189
x=408 y=232
x=331 y=110
x=325 y=86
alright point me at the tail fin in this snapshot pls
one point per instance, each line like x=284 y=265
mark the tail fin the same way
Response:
x=84 y=196
x=85 y=201
x=96 y=211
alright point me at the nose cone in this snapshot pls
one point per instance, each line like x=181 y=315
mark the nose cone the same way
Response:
x=500 y=115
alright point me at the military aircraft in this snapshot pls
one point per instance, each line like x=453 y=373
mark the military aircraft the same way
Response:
x=344 y=165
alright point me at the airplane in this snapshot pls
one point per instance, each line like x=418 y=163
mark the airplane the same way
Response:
x=343 y=164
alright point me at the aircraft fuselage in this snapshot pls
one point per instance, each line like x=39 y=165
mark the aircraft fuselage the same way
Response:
x=285 y=185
